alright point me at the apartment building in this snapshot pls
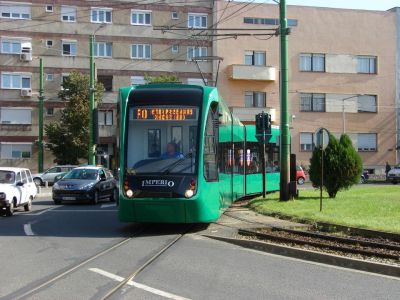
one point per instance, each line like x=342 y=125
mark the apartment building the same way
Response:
x=127 y=47
x=342 y=73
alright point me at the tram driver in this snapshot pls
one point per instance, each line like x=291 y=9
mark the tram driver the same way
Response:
x=171 y=152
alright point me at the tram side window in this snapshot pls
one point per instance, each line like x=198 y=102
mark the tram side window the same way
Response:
x=239 y=158
x=272 y=158
x=253 y=158
x=210 y=149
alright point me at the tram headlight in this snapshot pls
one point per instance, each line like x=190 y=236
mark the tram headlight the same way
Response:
x=129 y=193
x=189 y=193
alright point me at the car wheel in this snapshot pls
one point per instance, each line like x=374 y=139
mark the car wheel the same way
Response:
x=300 y=181
x=95 y=199
x=394 y=182
x=57 y=202
x=28 y=206
x=114 y=195
x=10 y=209
x=37 y=181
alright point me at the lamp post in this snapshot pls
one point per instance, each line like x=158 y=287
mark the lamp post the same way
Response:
x=91 y=149
x=41 y=98
x=344 y=112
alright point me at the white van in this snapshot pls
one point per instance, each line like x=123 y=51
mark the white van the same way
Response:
x=16 y=189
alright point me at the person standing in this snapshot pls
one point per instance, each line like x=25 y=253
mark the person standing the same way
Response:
x=387 y=169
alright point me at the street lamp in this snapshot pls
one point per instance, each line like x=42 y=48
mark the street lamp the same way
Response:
x=91 y=150
x=343 y=110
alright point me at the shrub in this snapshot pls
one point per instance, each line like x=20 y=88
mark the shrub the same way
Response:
x=342 y=166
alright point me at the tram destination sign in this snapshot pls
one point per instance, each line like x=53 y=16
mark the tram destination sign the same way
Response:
x=164 y=113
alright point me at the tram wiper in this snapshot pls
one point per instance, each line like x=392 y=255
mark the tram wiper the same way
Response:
x=176 y=163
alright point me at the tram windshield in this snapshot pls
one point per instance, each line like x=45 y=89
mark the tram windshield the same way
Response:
x=162 y=139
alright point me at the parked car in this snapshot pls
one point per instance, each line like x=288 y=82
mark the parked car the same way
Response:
x=51 y=173
x=88 y=183
x=16 y=189
x=300 y=175
x=393 y=175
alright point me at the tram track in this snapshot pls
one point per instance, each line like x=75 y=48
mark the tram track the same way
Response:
x=132 y=276
x=369 y=248
x=77 y=266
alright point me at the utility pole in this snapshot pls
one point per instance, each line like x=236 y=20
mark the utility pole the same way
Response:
x=285 y=131
x=91 y=157
x=41 y=98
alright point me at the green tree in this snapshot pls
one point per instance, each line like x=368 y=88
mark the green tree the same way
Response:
x=342 y=166
x=68 y=138
x=162 y=78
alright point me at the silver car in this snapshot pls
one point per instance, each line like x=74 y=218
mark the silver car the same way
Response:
x=50 y=174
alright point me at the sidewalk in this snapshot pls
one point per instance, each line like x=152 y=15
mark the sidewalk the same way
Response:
x=44 y=192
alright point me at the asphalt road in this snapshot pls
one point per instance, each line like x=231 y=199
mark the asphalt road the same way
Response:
x=40 y=247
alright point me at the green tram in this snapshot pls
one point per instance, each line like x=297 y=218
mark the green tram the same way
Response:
x=184 y=157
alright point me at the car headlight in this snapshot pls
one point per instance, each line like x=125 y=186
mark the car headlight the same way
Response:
x=56 y=186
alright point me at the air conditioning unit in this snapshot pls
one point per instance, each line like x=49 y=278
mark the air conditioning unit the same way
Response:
x=26 y=56
x=26 y=92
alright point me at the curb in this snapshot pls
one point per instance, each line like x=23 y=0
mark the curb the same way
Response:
x=41 y=195
x=329 y=259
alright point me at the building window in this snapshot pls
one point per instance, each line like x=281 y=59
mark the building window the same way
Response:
x=141 y=17
x=268 y=21
x=15 y=81
x=15 y=11
x=106 y=117
x=49 y=43
x=306 y=141
x=196 y=52
x=69 y=48
x=197 y=21
x=254 y=58
x=16 y=116
x=15 y=151
x=311 y=62
x=175 y=15
x=312 y=102
x=50 y=111
x=366 y=64
x=107 y=81
x=367 y=103
x=49 y=8
x=255 y=99
x=10 y=46
x=175 y=48
x=49 y=77
x=366 y=142
x=101 y=15
x=64 y=78
x=141 y=51
x=68 y=13
x=102 y=49
x=135 y=80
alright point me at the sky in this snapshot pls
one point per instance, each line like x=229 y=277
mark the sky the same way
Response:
x=357 y=4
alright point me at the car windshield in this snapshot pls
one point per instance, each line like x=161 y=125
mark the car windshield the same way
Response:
x=7 y=177
x=162 y=139
x=84 y=174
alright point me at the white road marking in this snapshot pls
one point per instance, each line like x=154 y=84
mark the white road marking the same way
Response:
x=43 y=211
x=138 y=285
x=28 y=229
x=108 y=205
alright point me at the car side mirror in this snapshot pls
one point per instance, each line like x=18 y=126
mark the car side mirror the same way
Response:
x=20 y=183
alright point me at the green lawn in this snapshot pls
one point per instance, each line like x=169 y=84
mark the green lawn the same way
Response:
x=372 y=207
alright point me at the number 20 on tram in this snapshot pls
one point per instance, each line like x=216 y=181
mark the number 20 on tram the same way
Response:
x=177 y=162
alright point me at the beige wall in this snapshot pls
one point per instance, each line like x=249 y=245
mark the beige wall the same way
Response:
x=341 y=35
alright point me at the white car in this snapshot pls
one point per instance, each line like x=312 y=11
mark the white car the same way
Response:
x=393 y=175
x=16 y=189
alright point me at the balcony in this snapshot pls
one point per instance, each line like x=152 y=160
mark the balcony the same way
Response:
x=247 y=72
x=247 y=114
